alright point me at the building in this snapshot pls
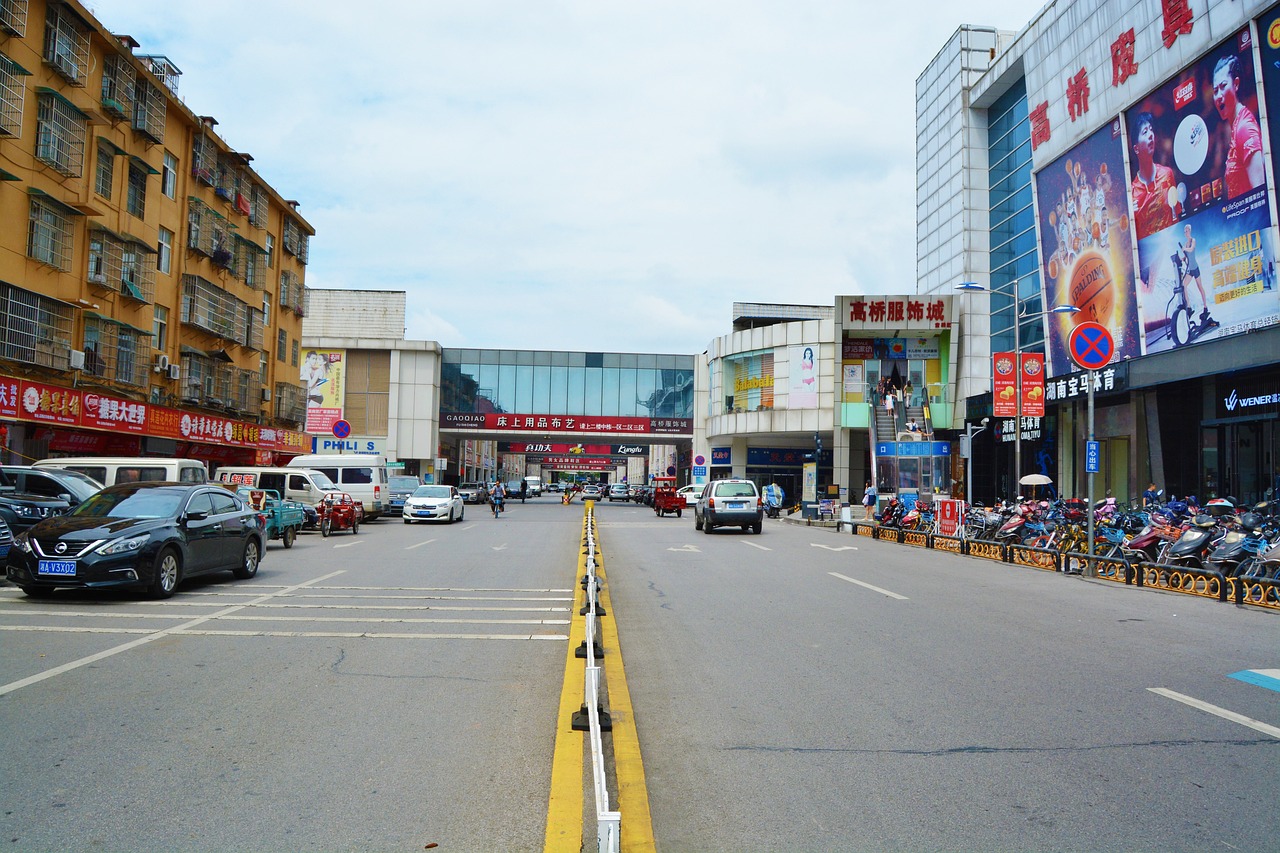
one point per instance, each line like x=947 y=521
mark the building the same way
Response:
x=1073 y=163
x=151 y=282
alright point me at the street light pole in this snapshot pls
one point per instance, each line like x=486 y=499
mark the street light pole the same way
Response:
x=968 y=460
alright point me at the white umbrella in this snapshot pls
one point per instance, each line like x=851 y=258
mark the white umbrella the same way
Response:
x=1035 y=480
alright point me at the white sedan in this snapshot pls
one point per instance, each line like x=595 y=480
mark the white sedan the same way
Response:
x=433 y=503
x=690 y=494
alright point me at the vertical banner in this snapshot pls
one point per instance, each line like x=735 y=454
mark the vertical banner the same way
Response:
x=804 y=379
x=1032 y=366
x=949 y=515
x=1206 y=255
x=1086 y=246
x=1004 y=396
x=324 y=376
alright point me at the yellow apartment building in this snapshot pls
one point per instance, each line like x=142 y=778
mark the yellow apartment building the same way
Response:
x=152 y=284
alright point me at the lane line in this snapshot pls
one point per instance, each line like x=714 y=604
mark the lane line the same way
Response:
x=420 y=544
x=869 y=586
x=1272 y=731
x=349 y=544
x=1268 y=678
x=141 y=641
x=754 y=545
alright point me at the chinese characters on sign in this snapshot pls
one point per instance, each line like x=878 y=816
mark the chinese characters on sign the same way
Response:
x=1078 y=94
x=1177 y=20
x=1123 y=64
x=1039 y=125
x=566 y=423
x=1004 y=385
x=902 y=312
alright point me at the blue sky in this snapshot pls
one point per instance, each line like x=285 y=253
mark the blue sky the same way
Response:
x=584 y=174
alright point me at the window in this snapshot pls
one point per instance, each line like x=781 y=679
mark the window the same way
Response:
x=60 y=132
x=49 y=234
x=282 y=344
x=271 y=252
x=34 y=329
x=160 y=328
x=266 y=308
x=13 y=17
x=148 y=110
x=164 y=247
x=11 y=90
x=169 y=175
x=97 y=258
x=117 y=87
x=137 y=196
x=106 y=170
x=66 y=44
x=293 y=354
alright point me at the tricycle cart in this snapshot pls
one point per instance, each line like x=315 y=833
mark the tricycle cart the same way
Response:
x=665 y=497
x=339 y=511
x=284 y=518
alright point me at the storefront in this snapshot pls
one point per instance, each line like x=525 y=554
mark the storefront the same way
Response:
x=1240 y=436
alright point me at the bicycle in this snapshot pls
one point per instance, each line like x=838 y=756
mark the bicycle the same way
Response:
x=495 y=503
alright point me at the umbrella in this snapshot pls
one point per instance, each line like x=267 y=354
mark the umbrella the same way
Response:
x=1035 y=480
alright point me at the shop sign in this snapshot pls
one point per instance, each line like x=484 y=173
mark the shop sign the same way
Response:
x=863 y=349
x=549 y=447
x=1114 y=379
x=746 y=383
x=109 y=413
x=500 y=421
x=628 y=449
x=1248 y=396
x=897 y=312
x=721 y=456
x=1030 y=430
x=781 y=457
x=913 y=448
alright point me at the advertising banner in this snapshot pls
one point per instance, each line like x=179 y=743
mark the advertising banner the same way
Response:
x=565 y=423
x=1086 y=247
x=804 y=379
x=1206 y=257
x=857 y=349
x=1032 y=365
x=1004 y=399
x=323 y=375
x=1269 y=47
x=854 y=378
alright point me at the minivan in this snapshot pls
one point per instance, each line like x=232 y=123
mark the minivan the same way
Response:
x=304 y=485
x=110 y=470
x=361 y=475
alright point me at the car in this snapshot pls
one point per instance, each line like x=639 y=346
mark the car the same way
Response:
x=619 y=492
x=473 y=493
x=399 y=487
x=6 y=539
x=553 y=487
x=151 y=535
x=20 y=509
x=434 y=503
x=730 y=502
x=62 y=483
x=690 y=494
x=591 y=492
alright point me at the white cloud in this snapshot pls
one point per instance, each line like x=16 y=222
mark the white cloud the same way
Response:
x=576 y=174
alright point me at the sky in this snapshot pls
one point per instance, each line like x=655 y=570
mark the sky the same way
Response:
x=576 y=174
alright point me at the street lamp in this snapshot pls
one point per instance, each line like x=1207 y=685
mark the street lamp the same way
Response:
x=1018 y=317
x=969 y=433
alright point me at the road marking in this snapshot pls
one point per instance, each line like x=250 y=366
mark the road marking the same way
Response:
x=1268 y=678
x=869 y=586
x=420 y=544
x=349 y=544
x=133 y=644
x=691 y=549
x=754 y=545
x=498 y=547
x=1219 y=712
x=835 y=547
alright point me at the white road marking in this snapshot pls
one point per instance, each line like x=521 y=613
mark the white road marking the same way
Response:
x=132 y=644
x=869 y=586
x=502 y=547
x=692 y=549
x=349 y=544
x=754 y=545
x=420 y=544
x=835 y=547
x=1272 y=731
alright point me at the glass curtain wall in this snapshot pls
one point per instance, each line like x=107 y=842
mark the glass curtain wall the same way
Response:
x=1014 y=261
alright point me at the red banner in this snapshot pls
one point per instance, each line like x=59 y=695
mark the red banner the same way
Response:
x=562 y=449
x=1004 y=385
x=1032 y=365
x=619 y=424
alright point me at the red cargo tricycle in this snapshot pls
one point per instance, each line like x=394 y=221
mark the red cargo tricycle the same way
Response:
x=339 y=511
x=665 y=497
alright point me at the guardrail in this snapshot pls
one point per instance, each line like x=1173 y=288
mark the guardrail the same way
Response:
x=591 y=718
x=1206 y=583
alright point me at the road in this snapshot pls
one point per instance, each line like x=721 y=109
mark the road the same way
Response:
x=799 y=690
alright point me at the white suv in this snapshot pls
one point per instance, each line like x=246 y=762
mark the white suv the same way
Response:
x=729 y=503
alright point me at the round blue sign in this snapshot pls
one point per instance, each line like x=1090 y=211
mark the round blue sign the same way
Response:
x=341 y=429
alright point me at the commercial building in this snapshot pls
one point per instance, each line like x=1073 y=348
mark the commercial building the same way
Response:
x=151 y=282
x=1118 y=158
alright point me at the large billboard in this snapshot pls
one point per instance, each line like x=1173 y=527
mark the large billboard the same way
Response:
x=1206 y=258
x=324 y=376
x=1086 y=246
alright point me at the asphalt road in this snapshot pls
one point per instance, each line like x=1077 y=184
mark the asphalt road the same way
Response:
x=794 y=691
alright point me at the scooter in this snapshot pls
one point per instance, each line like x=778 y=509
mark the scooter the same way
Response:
x=892 y=514
x=1238 y=550
x=1195 y=543
x=772 y=510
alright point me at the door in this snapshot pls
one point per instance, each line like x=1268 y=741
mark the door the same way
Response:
x=202 y=534
x=228 y=543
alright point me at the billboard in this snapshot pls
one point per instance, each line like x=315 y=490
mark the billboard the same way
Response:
x=804 y=379
x=1206 y=256
x=1086 y=248
x=324 y=378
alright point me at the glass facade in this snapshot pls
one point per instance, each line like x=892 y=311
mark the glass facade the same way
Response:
x=1014 y=261
x=566 y=383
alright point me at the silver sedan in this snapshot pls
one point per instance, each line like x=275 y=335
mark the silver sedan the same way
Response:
x=433 y=503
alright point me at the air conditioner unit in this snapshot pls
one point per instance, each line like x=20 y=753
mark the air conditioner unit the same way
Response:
x=266 y=395
x=77 y=359
x=175 y=371
x=67 y=65
x=162 y=363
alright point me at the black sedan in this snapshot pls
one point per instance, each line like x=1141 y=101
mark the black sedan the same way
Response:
x=151 y=535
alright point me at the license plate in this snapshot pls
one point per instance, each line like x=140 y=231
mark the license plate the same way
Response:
x=423 y=512
x=737 y=505
x=62 y=568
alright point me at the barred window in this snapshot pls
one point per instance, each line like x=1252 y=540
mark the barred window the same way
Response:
x=117 y=87
x=113 y=350
x=148 y=110
x=289 y=402
x=200 y=219
x=106 y=169
x=293 y=354
x=137 y=196
x=295 y=240
x=13 y=17
x=60 y=132
x=207 y=306
x=204 y=158
x=34 y=329
x=66 y=44
x=49 y=234
x=258 y=206
x=253 y=263
x=11 y=95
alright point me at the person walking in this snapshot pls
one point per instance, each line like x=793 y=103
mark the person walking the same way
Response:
x=869 y=501
x=497 y=497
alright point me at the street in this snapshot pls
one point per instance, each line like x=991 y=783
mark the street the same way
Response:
x=800 y=690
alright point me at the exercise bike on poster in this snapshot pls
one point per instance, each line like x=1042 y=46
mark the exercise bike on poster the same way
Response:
x=1184 y=325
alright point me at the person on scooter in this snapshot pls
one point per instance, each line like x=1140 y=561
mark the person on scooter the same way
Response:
x=773 y=498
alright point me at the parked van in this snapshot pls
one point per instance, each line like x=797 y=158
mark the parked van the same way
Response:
x=110 y=470
x=361 y=475
x=304 y=485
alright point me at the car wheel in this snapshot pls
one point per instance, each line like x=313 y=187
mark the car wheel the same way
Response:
x=706 y=526
x=248 y=562
x=37 y=591
x=462 y=515
x=697 y=521
x=405 y=520
x=326 y=527
x=679 y=513
x=166 y=573
x=355 y=527
x=290 y=533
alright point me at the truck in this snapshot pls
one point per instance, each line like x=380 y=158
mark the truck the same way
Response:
x=533 y=486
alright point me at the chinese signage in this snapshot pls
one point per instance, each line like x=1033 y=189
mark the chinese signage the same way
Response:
x=561 y=449
x=895 y=312
x=323 y=373
x=774 y=457
x=864 y=349
x=1110 y=380
x=1032 y=366
x=1004 y=384
x=913 y=448
x=566 y=423
x=22 y=399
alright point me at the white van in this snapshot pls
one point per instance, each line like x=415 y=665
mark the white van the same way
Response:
x=533 y=486
x=303 y=485
x=361 y=475
x=110 y=470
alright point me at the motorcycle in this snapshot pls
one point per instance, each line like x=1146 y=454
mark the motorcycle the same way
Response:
x=1238 y=550
x=891 y=516
x=1195 y=543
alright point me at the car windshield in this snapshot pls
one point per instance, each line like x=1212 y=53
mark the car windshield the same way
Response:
x=735 y=490
x=402 y=484
x=142 y=503
x=431 y=492
x=322 y=481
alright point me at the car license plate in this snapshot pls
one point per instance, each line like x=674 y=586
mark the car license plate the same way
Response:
x=737 y=505
x=423 y=512
x=63 y=568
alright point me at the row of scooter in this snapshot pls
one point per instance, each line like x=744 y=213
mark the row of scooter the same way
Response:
x=1235 y=541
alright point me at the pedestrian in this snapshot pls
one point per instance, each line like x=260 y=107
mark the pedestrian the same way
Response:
x=869 y=501
x=912 y=426
x=908 y=392
x=1150 y=497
